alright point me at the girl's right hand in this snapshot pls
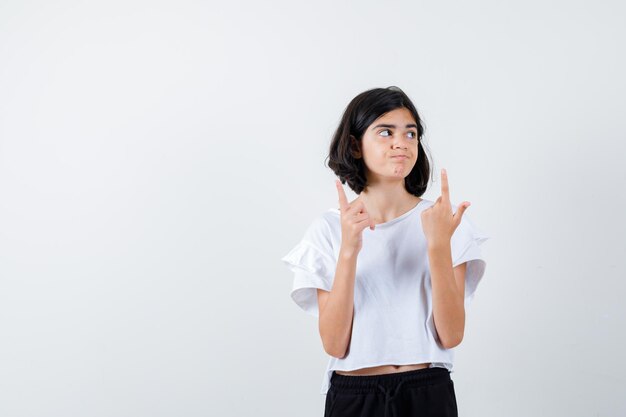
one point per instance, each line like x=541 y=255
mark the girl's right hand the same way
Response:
x=354 y=218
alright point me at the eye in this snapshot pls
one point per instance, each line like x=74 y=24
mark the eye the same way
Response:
x=414 y=134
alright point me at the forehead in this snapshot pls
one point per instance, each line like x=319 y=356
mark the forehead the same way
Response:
x=399 y=117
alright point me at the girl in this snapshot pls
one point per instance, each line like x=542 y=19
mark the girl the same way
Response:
x=389 y=274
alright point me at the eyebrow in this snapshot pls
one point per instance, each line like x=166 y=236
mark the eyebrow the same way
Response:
x=393 y=126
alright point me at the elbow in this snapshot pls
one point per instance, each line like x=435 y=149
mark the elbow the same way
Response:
x=453 y=334
x=334 y=345
x=336 y=339
x=334 y=348
x=336 y=354
x=330 y=350
x=452 y=342
x=330 y=346
x=451 y=345
x=335 y=351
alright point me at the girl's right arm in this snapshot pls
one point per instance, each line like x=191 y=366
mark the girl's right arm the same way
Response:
x=336 y=308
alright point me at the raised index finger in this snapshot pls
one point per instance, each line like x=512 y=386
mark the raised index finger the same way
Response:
x=343 y=200
x=445 y=195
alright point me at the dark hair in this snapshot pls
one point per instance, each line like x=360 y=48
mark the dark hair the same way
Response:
x=362 y=111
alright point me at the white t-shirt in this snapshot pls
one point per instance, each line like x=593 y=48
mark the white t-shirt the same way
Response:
x=393 y=318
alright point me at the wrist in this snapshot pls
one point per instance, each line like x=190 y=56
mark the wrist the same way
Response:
x=349 y=253
x=438 y=246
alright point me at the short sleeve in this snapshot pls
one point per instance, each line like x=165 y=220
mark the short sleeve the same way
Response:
x=465 y=247
x=313 y=265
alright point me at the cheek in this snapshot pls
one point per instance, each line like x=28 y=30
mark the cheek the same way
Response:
x=378 y=158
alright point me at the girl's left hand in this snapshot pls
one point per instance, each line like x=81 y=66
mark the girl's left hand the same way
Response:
x=438 y=221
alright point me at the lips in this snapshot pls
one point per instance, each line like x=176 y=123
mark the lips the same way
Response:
x=400 y=157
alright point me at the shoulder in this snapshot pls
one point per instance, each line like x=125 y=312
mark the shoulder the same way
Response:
x=330 y=219
x=467 y=230
x=321 y=229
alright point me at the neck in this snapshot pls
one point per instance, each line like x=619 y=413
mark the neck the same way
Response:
x=388 y=202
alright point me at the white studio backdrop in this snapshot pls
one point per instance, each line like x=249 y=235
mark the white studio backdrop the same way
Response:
x=157 y=159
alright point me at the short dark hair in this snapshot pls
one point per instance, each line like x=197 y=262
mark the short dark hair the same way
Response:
x=362 y=111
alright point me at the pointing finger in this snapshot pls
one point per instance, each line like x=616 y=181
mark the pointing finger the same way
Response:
x=444 y=185
x=343 y=200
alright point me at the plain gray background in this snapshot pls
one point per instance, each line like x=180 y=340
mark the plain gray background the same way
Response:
x=157 y=159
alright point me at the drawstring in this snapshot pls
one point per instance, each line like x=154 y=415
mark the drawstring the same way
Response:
x=389 y=397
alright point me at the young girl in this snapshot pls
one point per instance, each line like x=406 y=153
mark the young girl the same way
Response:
x=389 y=274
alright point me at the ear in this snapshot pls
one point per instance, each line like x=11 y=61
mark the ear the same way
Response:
x=355 y=149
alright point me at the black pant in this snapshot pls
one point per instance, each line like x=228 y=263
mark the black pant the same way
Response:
x=427 y=392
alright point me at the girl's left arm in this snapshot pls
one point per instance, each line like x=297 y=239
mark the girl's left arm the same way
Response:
x=448 y=294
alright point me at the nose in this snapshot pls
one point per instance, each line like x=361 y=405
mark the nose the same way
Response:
x=400 y=142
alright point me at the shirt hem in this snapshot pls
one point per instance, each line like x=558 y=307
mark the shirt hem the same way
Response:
x=433 y=363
